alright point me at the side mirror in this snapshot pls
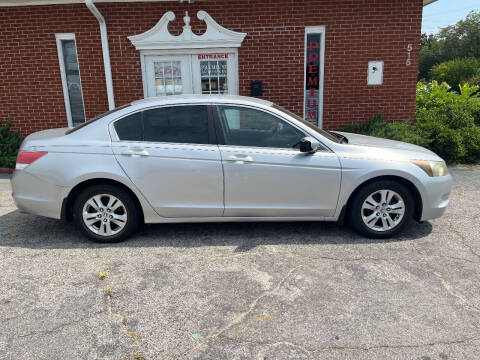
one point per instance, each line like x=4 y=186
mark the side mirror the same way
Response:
x=309 y=145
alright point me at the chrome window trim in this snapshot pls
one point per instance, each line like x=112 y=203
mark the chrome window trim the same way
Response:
x=114 y=136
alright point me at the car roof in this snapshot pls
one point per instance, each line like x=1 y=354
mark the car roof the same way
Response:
x=180 y=99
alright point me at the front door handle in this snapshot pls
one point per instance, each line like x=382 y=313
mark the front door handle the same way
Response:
x=240 y=158
x=135 y=152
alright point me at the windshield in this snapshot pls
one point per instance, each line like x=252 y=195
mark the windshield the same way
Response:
x=315 y=128
x=94 y=119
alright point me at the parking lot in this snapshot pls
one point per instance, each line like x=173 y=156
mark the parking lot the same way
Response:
x=243 y=290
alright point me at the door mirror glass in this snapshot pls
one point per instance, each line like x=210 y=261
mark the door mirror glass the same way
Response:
x=309 y=145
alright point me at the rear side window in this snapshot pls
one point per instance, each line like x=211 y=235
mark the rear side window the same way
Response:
x=176 y=124
x=130 y=127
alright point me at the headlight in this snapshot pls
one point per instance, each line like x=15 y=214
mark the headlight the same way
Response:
x=432 y=168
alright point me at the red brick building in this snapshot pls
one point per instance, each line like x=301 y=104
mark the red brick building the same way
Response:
x=334 y=61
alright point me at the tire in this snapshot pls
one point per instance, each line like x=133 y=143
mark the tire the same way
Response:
x=114 y=220
x=373 y=218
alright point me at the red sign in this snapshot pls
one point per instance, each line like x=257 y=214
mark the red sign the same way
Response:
x=312 y=78
x=212 y=56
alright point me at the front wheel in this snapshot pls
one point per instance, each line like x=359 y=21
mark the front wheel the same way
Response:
x=381 y=209
x=106 y=213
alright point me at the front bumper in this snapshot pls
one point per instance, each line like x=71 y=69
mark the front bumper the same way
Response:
x=36 y=196
x=436 y=193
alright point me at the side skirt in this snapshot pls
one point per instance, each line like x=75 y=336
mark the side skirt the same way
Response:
x=240 y=219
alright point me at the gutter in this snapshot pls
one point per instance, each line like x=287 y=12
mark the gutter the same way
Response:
x=106 y=52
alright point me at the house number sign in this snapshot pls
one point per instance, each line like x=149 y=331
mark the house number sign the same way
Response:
x=409 y=55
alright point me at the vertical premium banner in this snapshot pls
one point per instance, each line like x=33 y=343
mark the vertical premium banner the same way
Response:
x=312 y=78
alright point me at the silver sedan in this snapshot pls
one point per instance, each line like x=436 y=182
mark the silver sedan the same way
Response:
x=223 y=158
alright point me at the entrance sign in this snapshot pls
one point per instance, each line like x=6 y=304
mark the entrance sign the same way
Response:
x=314 y=62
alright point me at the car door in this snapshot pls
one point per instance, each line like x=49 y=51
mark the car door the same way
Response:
x=265 y=175
x=170 y=154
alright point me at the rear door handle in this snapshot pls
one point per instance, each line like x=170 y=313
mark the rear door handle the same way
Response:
x=240 y=158
x=135 y=152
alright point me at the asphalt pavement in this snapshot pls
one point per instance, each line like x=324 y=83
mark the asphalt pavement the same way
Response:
x=243 y=290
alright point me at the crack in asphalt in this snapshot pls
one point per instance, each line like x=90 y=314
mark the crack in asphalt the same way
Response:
x=240 y=317
x=56 y=328
x=446 y=285
x=119 y=317
x=310 y=350
x=402 y=346
x=464 y=241
x=267 y=344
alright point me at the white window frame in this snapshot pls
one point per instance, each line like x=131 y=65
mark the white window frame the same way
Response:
x=58 y=38
x=315 y=30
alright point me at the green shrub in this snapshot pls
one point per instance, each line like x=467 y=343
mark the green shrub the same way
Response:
x=455 y=72
x=9 y=144
x=446 y=122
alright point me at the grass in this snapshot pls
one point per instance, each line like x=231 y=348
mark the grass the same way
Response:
x=102 y=274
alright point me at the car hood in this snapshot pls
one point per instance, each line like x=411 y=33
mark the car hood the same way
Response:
x=374 y=142
x=364 y=140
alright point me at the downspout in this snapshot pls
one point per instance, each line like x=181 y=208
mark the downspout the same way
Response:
x=106 y=52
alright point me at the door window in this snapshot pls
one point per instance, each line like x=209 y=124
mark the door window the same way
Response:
x=256 y=128
x=175 y=124
x=214 y=77
x=168 y=78
x=129 y=128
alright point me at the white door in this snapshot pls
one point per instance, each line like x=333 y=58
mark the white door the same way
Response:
x=212 y=73
x=168 y=75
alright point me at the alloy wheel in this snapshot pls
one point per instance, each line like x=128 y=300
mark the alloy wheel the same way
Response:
x=383 y=210
x=104 y=214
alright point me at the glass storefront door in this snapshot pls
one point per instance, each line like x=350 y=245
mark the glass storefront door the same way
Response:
x=212 y=73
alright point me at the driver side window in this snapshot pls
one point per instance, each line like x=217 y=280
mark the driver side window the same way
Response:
x=256 y=128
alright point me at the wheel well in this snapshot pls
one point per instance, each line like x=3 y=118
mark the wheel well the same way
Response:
x=67 y=207
x=415 y=193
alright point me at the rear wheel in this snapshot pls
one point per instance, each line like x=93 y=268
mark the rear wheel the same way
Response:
x=381 y=209
x=106 y=213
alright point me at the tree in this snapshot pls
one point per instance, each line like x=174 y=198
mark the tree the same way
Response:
x=461 y=40
x=456 y=72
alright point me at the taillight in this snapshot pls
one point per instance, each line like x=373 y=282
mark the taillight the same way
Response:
x=25 y=158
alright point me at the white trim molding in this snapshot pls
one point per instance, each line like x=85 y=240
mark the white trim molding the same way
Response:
x=159 y=38
x=51 y=2
x=66 y=97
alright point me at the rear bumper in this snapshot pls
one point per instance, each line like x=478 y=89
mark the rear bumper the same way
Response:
x=36 y=196
x=435 y=201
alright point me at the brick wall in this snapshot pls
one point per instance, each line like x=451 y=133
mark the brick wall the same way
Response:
x=357 y=31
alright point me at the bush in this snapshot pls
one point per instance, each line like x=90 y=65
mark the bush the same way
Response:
x=456 y=72
x=9 y=144
x=446 y=122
